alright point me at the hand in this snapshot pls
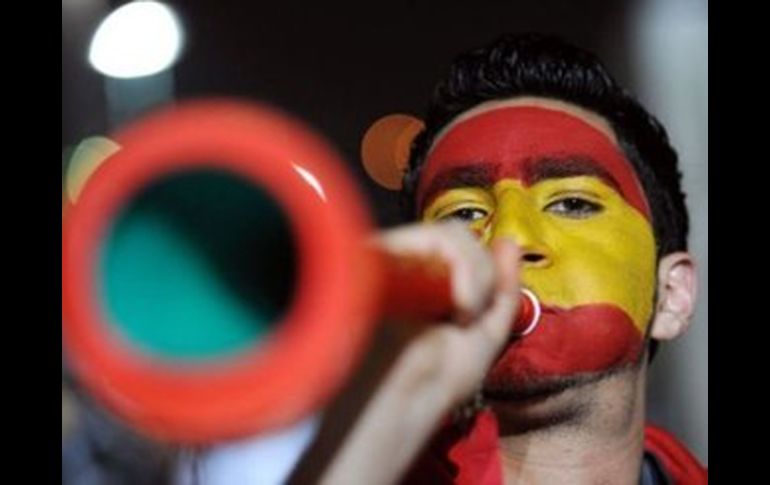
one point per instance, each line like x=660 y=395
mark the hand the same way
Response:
x=485 y=288
x=443 y=364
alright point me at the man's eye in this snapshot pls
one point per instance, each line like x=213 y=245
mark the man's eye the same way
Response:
x=574 y=207
x=466 y=214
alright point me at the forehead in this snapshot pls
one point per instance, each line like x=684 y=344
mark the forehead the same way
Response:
x=530 y=139
x=592 y=119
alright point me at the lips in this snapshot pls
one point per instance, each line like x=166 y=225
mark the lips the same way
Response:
x=582 y=339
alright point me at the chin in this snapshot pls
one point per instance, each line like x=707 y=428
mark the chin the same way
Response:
x=538 y=402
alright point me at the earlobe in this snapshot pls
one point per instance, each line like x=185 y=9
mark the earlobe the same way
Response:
x=677 y=290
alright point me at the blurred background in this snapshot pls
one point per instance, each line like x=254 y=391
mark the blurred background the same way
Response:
x=340 y=68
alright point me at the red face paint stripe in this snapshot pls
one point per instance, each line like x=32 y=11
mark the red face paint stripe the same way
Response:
x=587 y=338
x=513 y=137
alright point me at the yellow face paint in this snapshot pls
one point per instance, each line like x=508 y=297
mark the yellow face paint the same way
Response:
x=583 y=243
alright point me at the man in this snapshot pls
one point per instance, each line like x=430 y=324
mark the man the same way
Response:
x=532 y=145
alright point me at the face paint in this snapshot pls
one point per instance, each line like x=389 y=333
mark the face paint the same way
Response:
x=565 y=193
x=516 y=142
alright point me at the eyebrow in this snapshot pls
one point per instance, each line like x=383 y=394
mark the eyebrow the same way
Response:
x=537 y=170
x=474 y=174
x=484 y=174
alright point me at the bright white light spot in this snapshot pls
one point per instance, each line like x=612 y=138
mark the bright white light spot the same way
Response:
x=310 y=179
x=137 y=39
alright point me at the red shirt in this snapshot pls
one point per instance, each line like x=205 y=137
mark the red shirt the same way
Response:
x=471 y=457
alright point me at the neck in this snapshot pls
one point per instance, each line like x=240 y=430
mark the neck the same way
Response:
x=587 y=435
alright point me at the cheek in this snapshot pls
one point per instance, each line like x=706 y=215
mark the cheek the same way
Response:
x=610 y=264
x=600 y=290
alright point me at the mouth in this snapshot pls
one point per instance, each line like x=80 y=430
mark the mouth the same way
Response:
x=529 y=315
x=565 y=343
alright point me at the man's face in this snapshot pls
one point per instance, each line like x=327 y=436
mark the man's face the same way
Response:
x=551 y=176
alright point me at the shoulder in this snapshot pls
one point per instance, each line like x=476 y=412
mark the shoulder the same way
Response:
x=677 y=461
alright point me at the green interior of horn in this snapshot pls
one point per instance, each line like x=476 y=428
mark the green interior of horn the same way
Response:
x=199 y=266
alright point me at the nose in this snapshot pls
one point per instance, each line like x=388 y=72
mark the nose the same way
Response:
x=517 y=217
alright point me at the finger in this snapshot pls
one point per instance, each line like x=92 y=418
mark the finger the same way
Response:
x=471 y=268
x=494 y=327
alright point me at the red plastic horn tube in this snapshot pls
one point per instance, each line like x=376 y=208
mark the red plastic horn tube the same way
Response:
x=339 y=287
x=419 y=289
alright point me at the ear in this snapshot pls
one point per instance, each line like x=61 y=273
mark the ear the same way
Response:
x=677 y=289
